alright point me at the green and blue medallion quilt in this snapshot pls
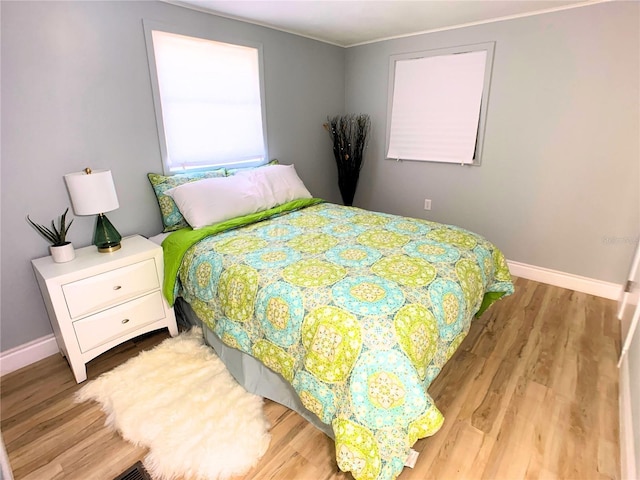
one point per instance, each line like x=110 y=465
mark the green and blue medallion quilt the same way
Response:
x=357 y=310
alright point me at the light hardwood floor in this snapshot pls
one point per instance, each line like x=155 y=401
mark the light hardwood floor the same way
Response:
x=531 y=393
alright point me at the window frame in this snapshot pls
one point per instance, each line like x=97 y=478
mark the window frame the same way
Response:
x=149 y=26
x=489 y=47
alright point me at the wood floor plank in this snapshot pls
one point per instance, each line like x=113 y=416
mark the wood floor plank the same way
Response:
x=459 y=457
x=286 y=463
x=319 y=449
x=532 y=393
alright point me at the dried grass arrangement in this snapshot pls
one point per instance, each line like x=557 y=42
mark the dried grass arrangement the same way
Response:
x=349 y=134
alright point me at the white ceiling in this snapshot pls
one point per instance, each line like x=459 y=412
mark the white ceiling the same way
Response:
x=353 y=22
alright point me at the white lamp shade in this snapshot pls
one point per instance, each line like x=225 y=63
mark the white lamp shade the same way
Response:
x=92 y=193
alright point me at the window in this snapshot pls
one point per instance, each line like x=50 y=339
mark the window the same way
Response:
x=208 y=97
x=437 y=104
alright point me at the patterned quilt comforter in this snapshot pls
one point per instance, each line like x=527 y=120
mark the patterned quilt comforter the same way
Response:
x=359 y=311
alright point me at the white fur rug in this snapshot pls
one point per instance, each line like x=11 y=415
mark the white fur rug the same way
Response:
x=179 y=400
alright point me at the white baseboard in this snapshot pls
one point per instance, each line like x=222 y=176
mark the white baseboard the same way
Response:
x=590 y=286
x=27 y=354
x=627 y=442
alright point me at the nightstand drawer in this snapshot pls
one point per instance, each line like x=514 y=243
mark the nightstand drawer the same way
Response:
x=111 y=324
x=107 y=289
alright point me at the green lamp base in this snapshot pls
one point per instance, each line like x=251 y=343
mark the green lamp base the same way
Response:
x=110 y=249
x=106 y=237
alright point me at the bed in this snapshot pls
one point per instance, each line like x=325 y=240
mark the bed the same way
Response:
x=342 y=314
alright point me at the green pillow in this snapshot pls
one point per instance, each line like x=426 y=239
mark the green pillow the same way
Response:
x=172 y=219
x=233 y=171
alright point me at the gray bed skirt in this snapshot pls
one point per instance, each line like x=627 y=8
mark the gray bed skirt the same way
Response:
x=249 y=372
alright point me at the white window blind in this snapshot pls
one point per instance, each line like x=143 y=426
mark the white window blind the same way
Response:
x=436 y=107
x=210 y=102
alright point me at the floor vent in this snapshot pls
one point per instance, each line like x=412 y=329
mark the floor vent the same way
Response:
x=135 y=472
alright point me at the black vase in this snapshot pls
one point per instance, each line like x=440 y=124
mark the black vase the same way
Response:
x=349 y=134
x=347 y=182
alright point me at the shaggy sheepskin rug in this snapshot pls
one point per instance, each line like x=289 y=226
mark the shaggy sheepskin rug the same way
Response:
x=179 y=400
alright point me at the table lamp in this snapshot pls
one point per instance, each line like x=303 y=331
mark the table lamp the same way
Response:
x=93 y=193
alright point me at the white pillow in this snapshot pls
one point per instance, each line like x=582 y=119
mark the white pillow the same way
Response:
x=277 y=184
x=214 y=200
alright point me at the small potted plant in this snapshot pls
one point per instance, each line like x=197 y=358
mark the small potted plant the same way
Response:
x=61 y=249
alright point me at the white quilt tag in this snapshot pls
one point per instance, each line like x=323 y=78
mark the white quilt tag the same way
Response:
x=411 y=459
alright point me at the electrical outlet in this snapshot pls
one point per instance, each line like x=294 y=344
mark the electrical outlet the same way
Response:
x=427 y=204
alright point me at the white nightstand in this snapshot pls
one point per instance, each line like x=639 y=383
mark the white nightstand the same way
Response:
x=99 y=300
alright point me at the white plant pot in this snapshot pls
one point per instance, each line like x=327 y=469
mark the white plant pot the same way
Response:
x=63 y=253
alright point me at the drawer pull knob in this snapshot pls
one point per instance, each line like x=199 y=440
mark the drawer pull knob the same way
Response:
x=117 y=287
x=126 y=320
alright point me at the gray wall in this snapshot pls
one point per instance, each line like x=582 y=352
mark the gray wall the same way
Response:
x=558 y=185
x=76 y=92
